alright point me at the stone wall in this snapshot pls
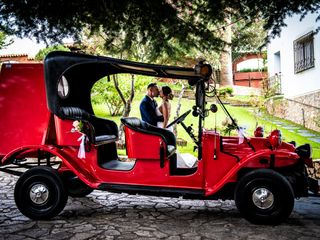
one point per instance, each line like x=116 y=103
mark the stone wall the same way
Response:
x=314 y=172
x=312 y=99
x=304 y=110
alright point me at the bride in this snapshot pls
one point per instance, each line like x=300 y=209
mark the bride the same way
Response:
x=184 y=160
x=165 y=107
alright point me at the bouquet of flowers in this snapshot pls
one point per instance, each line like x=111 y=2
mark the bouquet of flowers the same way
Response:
x=78 y=126
x=229 y=126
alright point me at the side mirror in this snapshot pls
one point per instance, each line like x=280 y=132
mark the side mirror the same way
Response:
x=213 y=108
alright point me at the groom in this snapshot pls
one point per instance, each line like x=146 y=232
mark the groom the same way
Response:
x=148 y=106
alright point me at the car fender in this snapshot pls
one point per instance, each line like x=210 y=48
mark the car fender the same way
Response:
x=254 y=161
x=68 y=161
x=268 y=158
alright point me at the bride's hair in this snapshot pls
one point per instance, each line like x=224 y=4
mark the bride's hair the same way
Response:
x=167 y=92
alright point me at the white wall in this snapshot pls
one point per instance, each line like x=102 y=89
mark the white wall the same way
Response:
x=305 y=81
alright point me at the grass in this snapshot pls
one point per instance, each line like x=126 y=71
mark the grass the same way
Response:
x=248 y=117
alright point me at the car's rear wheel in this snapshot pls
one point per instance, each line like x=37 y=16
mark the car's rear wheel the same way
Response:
x=264 y=197
x=40 y=194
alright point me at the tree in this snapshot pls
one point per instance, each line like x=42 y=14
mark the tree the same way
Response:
x=44 y=52
x=126 y=101
x=4 y=40
x=117 y=92
x=225 y=55
x=104 y=92
x=241 y=37
x=166 y=26
x=248 y=36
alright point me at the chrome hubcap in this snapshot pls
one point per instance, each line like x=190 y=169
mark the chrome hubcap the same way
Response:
x=39 y=193
x=262 y=198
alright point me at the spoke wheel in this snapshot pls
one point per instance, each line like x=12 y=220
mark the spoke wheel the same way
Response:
x=39 y=193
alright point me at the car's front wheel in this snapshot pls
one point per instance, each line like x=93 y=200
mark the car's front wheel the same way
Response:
x=40 y=194
x=264 y=197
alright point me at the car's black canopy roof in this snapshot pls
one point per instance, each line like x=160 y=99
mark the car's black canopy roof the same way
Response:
x=82 y=71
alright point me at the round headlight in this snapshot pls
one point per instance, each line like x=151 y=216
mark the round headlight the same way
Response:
x=205 y=70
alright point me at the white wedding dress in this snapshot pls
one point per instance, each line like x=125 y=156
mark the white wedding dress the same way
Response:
x=160 y=124
x=184 y=160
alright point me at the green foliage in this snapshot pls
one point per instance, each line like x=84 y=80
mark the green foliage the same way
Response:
x=257 y=101
x=224 y=91
x=94 y=43
x=270 y=90
x=263 y=69
x=249 y=36
x=163 y=27
x=244 y=115
x=43 y=52
x=229 y=126
x=104 y=92
x=4 y=40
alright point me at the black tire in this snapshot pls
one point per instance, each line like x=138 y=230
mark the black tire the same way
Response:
x=259 y=184
x=74 y=186
x=40 y=194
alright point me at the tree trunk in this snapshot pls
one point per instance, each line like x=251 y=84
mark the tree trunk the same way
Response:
x=127 y=105
x=178 y=110
x=226 y=56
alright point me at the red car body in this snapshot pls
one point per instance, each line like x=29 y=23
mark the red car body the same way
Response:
x=37 y=122
x=22 y=88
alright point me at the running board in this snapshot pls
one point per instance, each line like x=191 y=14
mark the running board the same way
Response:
x=154 y=191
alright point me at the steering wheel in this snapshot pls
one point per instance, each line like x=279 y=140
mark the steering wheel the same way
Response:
x=179 y=119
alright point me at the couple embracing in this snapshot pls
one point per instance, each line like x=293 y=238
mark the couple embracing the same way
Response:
x=149 y=109
x=159 y=116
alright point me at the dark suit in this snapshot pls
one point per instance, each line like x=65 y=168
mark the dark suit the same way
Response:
x=148 y=111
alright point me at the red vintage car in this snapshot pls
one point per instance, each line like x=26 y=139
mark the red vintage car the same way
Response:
x=262 y=174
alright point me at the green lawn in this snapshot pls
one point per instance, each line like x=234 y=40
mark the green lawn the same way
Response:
x=245 y=116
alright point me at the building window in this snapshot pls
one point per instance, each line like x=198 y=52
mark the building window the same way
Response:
x=303 y=53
